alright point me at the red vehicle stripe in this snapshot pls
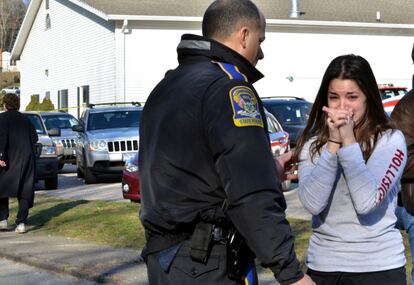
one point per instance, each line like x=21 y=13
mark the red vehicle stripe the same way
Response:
x=390 y=103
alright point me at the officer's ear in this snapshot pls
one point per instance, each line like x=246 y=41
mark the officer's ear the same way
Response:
x=243 y=36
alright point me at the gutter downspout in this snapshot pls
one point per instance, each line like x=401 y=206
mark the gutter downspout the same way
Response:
x=124 y=31
x=294 y=12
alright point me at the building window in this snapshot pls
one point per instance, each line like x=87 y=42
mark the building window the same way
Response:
x=83 y=98
x=47 y=4
x=63 y=100
x=47 y=22
x=85 y=94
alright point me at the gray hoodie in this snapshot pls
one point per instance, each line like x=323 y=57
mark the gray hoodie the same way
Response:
x=353 y=206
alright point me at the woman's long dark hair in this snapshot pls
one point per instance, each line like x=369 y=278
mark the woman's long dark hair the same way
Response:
x=374 y=122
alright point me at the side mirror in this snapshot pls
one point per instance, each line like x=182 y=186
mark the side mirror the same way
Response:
x=55 y=132
x=78 y=128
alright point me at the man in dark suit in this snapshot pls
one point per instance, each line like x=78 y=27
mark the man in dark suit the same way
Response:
x=17 y=162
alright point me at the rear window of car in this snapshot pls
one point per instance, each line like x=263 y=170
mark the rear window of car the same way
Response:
x=113 y=120
x=59 y=121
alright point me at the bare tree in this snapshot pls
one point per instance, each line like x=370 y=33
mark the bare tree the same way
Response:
x=11 y=16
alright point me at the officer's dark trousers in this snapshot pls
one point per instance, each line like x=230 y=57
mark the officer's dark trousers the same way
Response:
x=22 y=214
x=386 y=277
x=184 y=271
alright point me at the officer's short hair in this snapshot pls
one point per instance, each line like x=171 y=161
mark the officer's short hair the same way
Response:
x=412 y=54
x=12 y=102
x=223 y=17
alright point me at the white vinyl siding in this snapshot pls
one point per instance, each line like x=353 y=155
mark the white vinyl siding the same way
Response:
x=78 y=49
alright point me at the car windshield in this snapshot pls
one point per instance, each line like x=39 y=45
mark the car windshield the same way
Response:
x=37 y=123
x=291 y=114
x=114 y=119
x=59 y=121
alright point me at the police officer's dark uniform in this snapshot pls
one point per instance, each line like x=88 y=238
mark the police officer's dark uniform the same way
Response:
x=203 y=140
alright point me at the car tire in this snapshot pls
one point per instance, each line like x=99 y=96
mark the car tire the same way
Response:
x=79 y=173
x=90 y=178
x=51 y=183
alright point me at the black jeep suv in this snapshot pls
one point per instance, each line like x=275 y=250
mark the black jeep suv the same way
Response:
x=291 y=112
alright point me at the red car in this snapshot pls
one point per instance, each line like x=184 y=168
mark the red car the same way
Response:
x=391 y=95
x=130 y=179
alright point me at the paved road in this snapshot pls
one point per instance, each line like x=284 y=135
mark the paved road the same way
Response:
x=15 y=273
x=73 y=188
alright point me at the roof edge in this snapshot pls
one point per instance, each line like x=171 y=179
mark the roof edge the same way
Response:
x=30 y=17
x=270 y=22
x=116 y=17
x=25 y=29
x=338 y=24
x=91 y=9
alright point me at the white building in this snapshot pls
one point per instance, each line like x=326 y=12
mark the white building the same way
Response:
x=98 y=51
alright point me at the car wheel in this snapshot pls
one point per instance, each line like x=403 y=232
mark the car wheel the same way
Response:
x=51 y=183
x=79 y=173
x=90 y=178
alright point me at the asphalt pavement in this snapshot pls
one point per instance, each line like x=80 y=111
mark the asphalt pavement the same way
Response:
x=91 y=262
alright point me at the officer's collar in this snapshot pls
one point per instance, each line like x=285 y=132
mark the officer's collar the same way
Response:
x=197 y=45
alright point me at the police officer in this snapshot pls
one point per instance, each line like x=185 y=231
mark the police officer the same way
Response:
x=205 y=163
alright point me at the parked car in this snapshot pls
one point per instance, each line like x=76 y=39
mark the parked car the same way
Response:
x=279 y=141
x=47 y=163
x=107 y=138
x=66 y=142
x=130 y=180
x=391 y=95
x=291 y=112
x=11 y=89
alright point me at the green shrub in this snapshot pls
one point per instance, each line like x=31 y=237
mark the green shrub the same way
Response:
x=33 y=104
x=46 y=105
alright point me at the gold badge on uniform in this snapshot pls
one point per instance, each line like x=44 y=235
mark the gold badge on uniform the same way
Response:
x=245 y=107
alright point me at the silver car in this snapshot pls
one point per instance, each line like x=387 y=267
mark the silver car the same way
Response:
x=66 y=142
x=46 y=163
x=108 y=136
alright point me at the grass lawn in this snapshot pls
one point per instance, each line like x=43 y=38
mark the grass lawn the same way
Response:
x=117 y=224
x=110 y=223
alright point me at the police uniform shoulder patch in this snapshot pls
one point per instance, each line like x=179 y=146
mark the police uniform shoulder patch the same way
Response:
x=231 y=71
x=245 y=107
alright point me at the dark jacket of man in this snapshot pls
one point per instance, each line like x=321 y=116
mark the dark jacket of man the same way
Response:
x=403 y=117
x=203 y=139
x=17 y=140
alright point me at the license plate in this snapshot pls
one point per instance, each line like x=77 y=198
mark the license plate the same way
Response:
x=127 y=156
